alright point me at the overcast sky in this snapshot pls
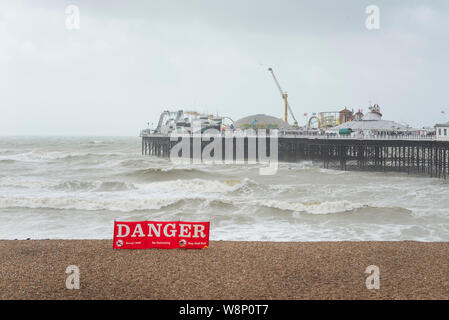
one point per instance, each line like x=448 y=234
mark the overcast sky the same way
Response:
x=130 y=60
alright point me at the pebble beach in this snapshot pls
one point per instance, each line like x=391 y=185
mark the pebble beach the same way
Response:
x=36 y=269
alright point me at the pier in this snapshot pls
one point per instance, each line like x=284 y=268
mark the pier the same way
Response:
x=414 y=156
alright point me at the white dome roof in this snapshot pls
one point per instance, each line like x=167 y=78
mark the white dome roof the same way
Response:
x=370 y=121
x=261 y=121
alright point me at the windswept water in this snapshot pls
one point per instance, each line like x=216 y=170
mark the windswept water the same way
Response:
x=74 y=188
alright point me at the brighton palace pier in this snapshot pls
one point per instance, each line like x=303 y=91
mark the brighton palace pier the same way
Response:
x=389 y=149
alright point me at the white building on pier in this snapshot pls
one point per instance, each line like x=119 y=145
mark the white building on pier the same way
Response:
x=372 y=124
x=442 y=131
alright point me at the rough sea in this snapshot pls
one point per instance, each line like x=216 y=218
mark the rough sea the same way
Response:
x=74 y=188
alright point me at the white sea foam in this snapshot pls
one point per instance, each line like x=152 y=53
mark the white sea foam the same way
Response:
x=194 y=186
x=311 y=207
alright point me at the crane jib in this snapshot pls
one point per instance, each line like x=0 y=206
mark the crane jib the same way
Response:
x=283 y=95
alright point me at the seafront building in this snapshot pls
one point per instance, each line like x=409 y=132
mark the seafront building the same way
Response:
x=442 y=131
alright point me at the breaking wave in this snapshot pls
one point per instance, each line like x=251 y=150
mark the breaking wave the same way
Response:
x=7 y=161
x=121 y=205
x=137 y=204
x=133 y=163
x=194 y=186
x=326 y=207
x=76 y=185
x=168 y=174
x=68 y=203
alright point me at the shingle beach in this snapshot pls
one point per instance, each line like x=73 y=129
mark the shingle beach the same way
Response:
x=35 y=269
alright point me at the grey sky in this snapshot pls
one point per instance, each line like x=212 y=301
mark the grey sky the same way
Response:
x=130 y=61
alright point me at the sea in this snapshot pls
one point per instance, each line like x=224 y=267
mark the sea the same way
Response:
x=75 y=187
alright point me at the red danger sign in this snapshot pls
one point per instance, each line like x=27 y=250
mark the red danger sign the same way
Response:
x=161 y=235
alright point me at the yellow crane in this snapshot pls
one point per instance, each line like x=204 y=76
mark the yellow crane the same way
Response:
x=284 y=96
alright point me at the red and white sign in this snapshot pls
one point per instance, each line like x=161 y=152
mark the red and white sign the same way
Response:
x=161 y=235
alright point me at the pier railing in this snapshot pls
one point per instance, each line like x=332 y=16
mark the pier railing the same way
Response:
x=360 y=137
x=283 y=134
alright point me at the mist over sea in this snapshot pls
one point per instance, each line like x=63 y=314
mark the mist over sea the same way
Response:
x=74 y=188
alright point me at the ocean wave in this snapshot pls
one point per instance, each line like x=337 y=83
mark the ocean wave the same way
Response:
x=140 y=196
x=333 y=171
x=302 y=165
x=115 y=186
x=7 y=161
x=327 y=207
x=97 y=143
x=169 y=173
x=193 y=186
x=203 y=204
x=97 y=204
x=46 y=156
x=18 y=157
x=85 y=156
x=248 y=186
x=74 y=185
x=133 y=163
x=100 y=186
x=121 y=205
x=166 y=189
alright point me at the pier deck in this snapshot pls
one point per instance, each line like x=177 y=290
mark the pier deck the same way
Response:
x=419 y=156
